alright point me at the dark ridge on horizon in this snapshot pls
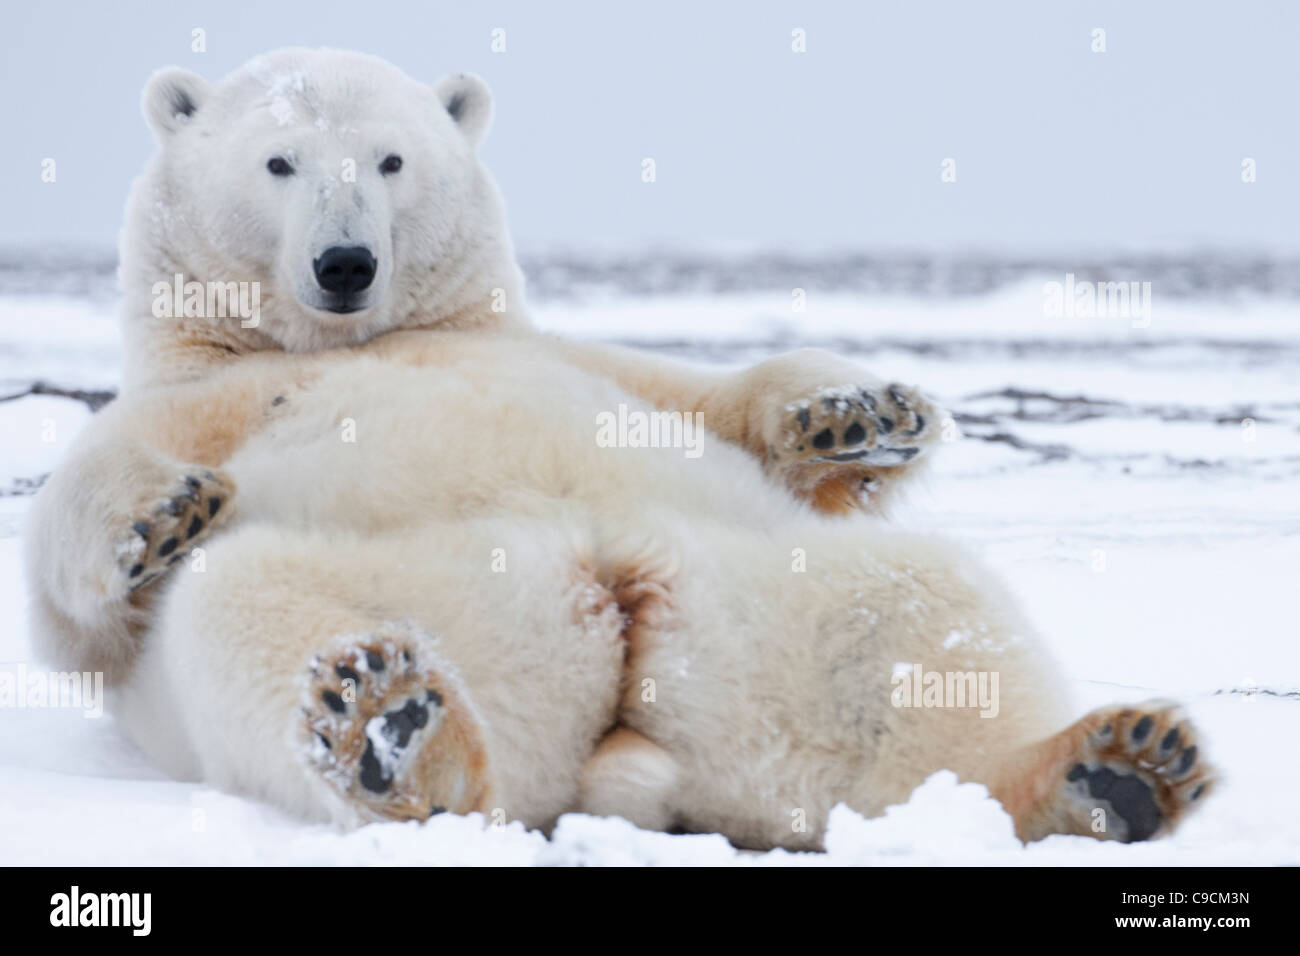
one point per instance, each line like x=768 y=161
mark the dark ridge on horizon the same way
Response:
x=570 y=275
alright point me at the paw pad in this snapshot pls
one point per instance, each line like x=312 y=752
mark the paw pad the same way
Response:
x=184 y=514
x=887 y=426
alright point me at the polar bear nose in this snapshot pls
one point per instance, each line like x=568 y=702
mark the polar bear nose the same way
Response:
x=345 y=269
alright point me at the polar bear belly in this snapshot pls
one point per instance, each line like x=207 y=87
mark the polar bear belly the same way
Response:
x=376 y=446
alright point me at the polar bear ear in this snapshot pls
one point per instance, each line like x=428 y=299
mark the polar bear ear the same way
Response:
x=469 y=102
x=170 y=98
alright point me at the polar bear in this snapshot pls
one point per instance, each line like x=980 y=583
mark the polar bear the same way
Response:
x=365 y=558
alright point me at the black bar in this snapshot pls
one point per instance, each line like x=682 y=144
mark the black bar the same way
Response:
x=330 y=905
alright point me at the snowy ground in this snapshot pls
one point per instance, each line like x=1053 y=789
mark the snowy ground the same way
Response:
x=1105 y=471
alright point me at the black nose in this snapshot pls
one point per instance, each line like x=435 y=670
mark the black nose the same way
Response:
x=345 y=269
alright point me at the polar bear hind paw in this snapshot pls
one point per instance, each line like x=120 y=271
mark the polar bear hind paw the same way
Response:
x=1126 y=773
x=174 y=524
x=390 y=729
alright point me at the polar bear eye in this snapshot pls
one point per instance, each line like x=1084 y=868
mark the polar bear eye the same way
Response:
x=391 y=164
x=279 y=166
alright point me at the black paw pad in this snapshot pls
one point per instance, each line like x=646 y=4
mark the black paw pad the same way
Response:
x=400 y=724
x=373 y=776
x=333 y=701
x=823 y=439
x=214 y=505
x=1128 y=796
x=855 y=434
x=1142 y=729
x=398 y=727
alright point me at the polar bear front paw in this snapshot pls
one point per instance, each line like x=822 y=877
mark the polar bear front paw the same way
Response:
x=162 y=536
x=389 y=728
x=886 y=426
x=842 y=447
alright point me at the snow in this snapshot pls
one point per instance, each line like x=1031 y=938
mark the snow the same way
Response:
x=1105 y=472
x=281 y=111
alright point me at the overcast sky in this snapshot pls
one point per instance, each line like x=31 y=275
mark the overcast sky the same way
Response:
x=1055 y=146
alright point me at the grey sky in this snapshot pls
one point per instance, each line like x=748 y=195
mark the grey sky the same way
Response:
x=1056 y=147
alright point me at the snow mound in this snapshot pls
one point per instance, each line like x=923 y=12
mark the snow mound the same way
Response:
x=945 y=822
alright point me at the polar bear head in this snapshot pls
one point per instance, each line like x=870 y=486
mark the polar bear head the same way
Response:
x=350 y=193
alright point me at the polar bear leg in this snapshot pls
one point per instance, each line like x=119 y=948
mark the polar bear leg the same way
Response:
x=834 y=434
x=434 y=681
x=107 y=525
x=291 y=690
x=852 y=673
